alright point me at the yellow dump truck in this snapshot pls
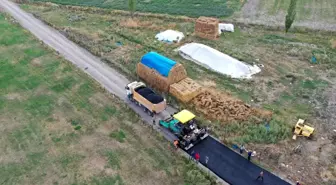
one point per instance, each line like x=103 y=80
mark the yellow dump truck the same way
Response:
x=145 y=97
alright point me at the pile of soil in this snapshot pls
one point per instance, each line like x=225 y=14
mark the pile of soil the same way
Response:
x=223 y=107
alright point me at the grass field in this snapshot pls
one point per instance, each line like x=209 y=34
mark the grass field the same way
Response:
x=193 y=8
x=59 y=127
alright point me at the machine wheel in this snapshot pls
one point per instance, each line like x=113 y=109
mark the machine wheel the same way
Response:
x=312 y=137
x=145 y=109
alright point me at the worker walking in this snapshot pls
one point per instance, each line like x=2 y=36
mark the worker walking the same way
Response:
x=261 y=176
x=249 y=154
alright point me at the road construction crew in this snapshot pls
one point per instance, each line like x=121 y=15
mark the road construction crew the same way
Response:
x=261 y=176
x=197 y=157
x=176 y=144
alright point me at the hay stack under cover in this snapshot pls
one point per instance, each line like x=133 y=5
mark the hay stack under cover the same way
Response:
x=160 y=72
x=185 y=90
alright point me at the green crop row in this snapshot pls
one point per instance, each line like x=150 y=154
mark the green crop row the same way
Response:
x=192 y=8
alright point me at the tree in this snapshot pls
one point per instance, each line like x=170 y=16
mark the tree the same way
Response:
x=132 y=6
x=291 y=13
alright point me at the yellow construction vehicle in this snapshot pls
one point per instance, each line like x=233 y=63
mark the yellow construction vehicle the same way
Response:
x=301 y=129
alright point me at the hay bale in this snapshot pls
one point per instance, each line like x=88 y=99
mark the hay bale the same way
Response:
x=185 y=90
x=177 y=73
x=159 y=82
x=207 y=27
x=152 y=78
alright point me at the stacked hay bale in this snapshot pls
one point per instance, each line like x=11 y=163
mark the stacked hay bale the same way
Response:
x=207 y=27
x=160 y=72
x=185 y=90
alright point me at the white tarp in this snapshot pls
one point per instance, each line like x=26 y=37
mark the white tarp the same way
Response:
x=225 y=27
x=170 y=36
x=217 y=61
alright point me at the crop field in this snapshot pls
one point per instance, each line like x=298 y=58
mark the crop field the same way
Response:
x=306 y=9
x=309 y=13
x=290 y=85
x=193 y=8
x=59 y=127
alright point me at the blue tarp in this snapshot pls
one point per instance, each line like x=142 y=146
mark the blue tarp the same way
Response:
x=158 y=62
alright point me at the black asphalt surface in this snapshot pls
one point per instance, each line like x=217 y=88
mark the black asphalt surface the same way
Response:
x=231 y=166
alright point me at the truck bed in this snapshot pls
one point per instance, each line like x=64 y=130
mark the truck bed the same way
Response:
x=149 y=95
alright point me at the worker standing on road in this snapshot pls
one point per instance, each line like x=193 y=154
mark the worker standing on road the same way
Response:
x=197 y=157
x=206 y=160
x=261 y=176
x=249 y=154
x=176 y=144
x=298 y=183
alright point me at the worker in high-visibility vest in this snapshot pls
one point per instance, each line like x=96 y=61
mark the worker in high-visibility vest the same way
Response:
x=176 y=144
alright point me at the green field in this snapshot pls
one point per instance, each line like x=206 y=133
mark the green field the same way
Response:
x=58 y=126
x=193 y=8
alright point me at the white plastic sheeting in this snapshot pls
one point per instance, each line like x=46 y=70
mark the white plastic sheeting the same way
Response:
x=225 y=27
x=217 y=61
x=170 y=36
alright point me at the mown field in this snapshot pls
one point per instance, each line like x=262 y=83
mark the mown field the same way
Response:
x=193 y=8
x=316 y=15
x=306 y=9
x=57 y=126
x=290 y=85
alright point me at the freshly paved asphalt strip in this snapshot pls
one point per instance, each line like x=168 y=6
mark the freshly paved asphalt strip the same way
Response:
x=225 y=163
x=230 y=166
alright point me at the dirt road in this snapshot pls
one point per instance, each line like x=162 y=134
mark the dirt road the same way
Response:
x=114 y=82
